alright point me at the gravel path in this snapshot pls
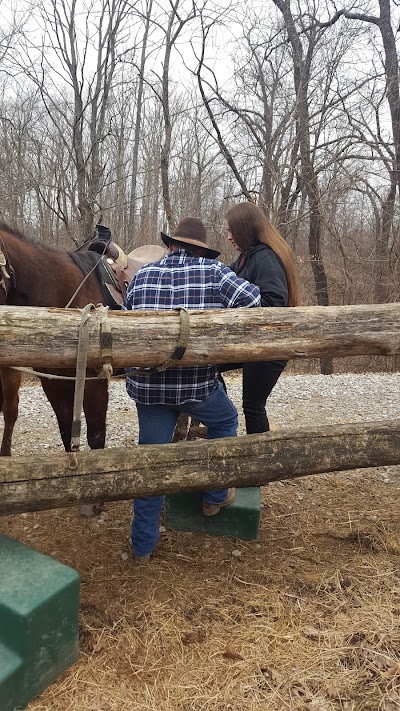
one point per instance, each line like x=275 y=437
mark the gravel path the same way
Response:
x=298 y=400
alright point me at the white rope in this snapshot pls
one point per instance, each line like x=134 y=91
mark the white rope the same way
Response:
x=105 y=373
x=52 y=376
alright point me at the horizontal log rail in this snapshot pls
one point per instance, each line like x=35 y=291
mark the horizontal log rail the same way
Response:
x=47 y=338
x=32 y=483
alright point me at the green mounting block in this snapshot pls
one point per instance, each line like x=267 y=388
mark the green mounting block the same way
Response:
x=183 y=512
x=39 y=622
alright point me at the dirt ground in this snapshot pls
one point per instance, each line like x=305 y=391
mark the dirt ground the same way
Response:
x=304 y=618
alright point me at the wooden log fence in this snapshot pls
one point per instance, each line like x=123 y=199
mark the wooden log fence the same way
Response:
x=37 y=482
x=47 y=338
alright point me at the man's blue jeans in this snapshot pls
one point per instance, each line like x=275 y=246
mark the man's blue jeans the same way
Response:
x=156 y=426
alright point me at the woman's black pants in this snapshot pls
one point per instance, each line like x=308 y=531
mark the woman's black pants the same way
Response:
x=259 y=379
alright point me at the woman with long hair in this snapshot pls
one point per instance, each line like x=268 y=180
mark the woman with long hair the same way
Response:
x=265 y=259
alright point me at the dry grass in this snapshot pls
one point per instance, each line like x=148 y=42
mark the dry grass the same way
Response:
x=305 y=618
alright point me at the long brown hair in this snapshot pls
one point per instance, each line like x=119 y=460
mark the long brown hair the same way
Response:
x=249 y=226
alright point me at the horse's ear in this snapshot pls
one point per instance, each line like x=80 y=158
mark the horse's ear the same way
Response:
x=103 y=233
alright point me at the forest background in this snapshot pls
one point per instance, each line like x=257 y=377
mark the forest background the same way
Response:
x=135 y=113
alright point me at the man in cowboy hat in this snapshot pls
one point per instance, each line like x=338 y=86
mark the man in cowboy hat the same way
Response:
x=188 y=277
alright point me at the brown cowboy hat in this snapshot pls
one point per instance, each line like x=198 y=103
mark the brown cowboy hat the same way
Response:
x=191 y=231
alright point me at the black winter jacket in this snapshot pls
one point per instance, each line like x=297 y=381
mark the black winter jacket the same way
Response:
x=264 y=268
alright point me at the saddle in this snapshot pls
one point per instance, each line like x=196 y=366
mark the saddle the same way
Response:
x=116 y=269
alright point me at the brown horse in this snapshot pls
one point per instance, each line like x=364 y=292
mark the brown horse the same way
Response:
x=37 y=275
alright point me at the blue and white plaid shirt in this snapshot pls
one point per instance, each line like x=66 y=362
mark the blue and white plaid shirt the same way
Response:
x=182 y=279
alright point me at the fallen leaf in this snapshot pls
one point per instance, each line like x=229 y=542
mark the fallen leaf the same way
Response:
x=231 y=653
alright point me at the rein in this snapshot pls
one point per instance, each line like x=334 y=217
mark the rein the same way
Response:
x=67 y=306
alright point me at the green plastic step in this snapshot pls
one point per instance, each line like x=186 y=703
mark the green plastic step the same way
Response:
x=39 y=622
x=10 y=669
x=183 y=512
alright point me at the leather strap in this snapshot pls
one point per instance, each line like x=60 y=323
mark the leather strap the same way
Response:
x=180 y=349
x=81 y=359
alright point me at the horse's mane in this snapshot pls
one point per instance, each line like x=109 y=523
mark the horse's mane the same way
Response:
x=85 y=260
x=14 y=232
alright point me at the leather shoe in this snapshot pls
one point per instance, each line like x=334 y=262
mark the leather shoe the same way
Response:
x=139 y=559
x=213 y=509
x=142 y=559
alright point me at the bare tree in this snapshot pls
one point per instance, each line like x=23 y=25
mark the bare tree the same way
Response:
x=138 y=122
x=84 y=122
x=176 y=22
x=301 y=73
x=384 y=23
x=149 y=199
x=10 y=31
x=207 y=99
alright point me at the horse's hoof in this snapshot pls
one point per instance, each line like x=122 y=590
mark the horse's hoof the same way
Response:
x=90 y=510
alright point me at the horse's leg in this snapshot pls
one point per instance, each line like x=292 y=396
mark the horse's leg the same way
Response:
x=10 y=381
x=181 y=427
x=60 y=394
x=95 y=404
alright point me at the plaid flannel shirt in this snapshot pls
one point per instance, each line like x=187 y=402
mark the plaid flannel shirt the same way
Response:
x=182 y=279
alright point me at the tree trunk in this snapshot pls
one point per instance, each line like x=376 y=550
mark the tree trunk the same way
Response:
x=130 y=237
x=36 y=483
x=384 y=22
x=392 y=78
x=382 y=257
x=301 y=70
x=166 y=147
